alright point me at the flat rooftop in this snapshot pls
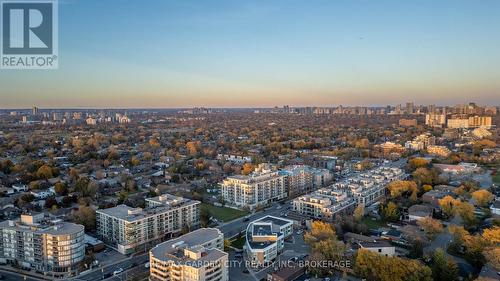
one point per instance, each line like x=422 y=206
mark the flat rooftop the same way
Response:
x=275 y=220
x=173 y=250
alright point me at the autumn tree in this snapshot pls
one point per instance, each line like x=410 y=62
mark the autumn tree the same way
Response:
x=425 y=176
x=359 y=212
x=466 y=213
x=447 y=205
x=375 y=267
x=61 y=188
x=482 y=197
x=398 y=188
x=44 y=172
x=430 y=226
x=247 y=168
x=417 y=162
x=324 y=245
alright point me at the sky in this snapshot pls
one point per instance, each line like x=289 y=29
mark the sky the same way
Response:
x=185 y=53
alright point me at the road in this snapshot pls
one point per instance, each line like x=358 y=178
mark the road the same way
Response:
x=133 y=265
x=232 y=228
x=12 y=276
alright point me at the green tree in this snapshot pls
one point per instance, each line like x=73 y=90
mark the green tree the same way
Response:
x=443 y=267
x=390 y=212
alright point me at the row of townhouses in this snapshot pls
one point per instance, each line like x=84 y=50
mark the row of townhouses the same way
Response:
x=342 y=197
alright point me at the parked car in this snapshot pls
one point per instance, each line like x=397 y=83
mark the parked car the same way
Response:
x=118 y=271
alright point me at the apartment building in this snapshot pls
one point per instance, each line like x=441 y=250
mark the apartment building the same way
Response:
x=325 y=203
x=421 y=142
x=197 y=255
x=261 y=187
x=438 y=150
x=458 y=123
x=301 y=179
x=266 y=239
x=480 y=122
x=435 y=120
x=51 y=247
x=129 y=229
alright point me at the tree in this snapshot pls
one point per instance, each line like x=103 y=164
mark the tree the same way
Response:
x=85 y=187
x=443 y=267
x=324 y=245
x=398 y=188
x=375 y=267
x=50 y=202
x=492 y=255
x=417 y=249
x=390 y=212
x=247 y=168
x=204 y=216
x=417 y=162
x=44 y=172
x=425 y=176
x=482 y=197
x=431 y=227
x=359 y=212
x=447 y=205
x=227 y=245
x=60 y=188
x=85 y=216
x=492 y=235
x=466 y=212
x=193 y=147
x=427 y=187
x=134 y=161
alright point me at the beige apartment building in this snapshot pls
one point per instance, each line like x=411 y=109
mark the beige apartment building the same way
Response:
x=261 y=187
x=130 y=229
x=50 y=247
x=196 y=256
x=324 y=203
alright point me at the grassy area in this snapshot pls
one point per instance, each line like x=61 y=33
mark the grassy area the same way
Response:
x=496 y=178
x=372 y=223
x=223 y=214
x=239 y=243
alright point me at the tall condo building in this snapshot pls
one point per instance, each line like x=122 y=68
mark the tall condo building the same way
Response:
x=130 y=229
x=264 y=185
x=54 y=247
x=197 y=255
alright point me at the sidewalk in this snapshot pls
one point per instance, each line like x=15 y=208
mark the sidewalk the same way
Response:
x=23 y=273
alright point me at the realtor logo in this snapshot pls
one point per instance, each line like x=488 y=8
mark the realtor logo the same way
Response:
x=29 y=34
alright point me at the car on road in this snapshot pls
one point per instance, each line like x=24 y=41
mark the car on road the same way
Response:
x=147 y=265
x=247 y=218
x=118 y=271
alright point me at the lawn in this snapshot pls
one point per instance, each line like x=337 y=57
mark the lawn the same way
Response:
x=223 y=214
x=496 y=178
x=372 y=223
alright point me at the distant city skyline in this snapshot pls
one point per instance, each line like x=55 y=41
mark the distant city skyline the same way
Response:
x=261 y=54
